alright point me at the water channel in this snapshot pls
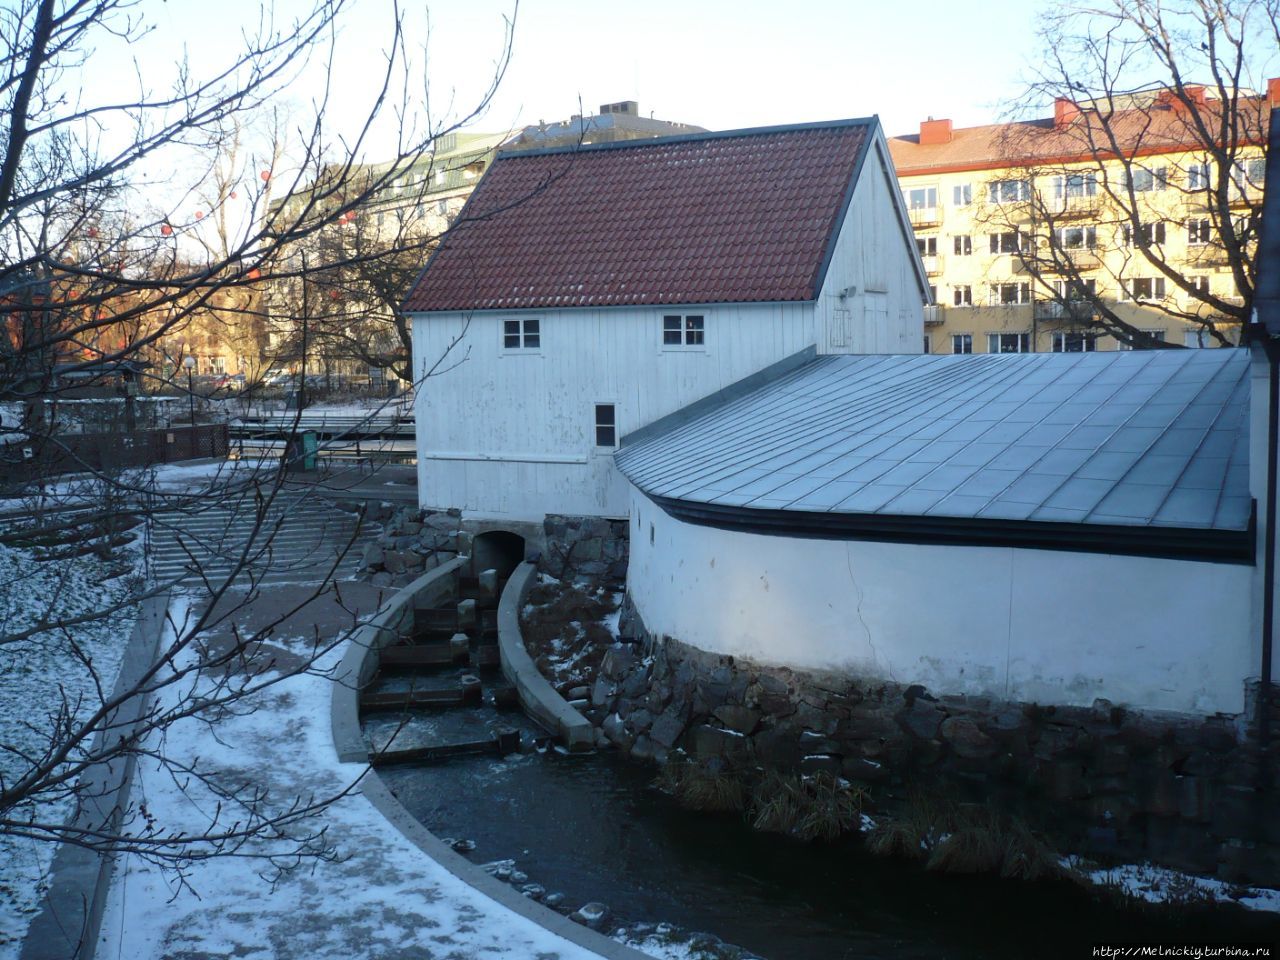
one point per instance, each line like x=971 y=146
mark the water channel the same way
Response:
x=592 y=828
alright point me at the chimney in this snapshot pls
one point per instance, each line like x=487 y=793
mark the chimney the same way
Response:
x=935 y=131
x=1064 y=111
x=1273 y=92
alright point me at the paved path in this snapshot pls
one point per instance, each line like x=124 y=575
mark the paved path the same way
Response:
x=382 y=898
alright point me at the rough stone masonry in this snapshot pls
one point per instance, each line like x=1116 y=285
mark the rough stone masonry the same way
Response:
x=1187 y=792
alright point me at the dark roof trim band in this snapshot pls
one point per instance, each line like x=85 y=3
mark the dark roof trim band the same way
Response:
x=1171 y=543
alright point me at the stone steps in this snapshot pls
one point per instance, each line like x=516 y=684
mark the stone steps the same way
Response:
x=295 y=540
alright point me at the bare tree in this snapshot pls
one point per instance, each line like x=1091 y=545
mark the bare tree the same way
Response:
x=94 y=282
x=1142 y=200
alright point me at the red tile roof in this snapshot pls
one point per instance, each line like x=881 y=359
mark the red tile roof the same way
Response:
x=1159 y=128
x=709 y=218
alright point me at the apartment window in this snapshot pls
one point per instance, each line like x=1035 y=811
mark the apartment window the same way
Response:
x=928 y=246
x=1008 y=191
x=1077 y=238
x=1152 y=234
x=962 y=295
x=1200 y=285
x=1146 y=181
x=933 y=293
x=1010 y=293
x=928 y=344
x=217 y=365
x=1008 y=343
x=1199 y=232
x=1153 y=334
x=922 y=198
x=1143 y=288
x=606 y=425
x=1198 y=176
x=1074 y=343
x=1075 y=185
x=1075 y=289
x=1249 y=173
x=1007 y=242
x=962 y=343
x=683 y=331
x=521 y=334
x=962 y=194
x=963 y=245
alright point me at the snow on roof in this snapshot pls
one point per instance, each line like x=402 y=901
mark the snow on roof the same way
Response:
x=746 y=215
x=1136 y=438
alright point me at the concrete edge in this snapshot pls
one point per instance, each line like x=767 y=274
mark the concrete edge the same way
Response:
x=537 y=696
x=70 y=917
x=358 y=665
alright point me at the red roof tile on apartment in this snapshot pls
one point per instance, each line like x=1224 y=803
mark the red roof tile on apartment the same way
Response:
x=1152 y=130
x=709 y=218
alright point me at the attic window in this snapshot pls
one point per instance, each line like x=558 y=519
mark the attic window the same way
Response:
x=683 y=331
x=521 y=334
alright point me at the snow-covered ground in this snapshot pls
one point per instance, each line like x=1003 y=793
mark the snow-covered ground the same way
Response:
x=1154 y=884
x=382 y=898
x=37 y=673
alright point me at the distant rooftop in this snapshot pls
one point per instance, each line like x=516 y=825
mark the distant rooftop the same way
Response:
x=1134 y=439
x=739 y=216
x=615 y=121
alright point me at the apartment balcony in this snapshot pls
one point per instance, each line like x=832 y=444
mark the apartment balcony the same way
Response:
x=933 y=265
x=1208 y=255
x=925 y=216
x=934 y=314
x=1068 y=262
x=1075 y=208
x=1238 y=200
x=1080 y=311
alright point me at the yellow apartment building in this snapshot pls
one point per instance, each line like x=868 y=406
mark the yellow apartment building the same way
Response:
x=1072 y=234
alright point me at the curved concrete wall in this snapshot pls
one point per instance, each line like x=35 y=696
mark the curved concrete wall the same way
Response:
x=1030 y=625
x=356 y=669
x=538 y=697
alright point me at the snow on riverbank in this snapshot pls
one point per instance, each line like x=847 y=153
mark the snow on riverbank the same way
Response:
x=382 y=897
x=1155 y=884
x=37 y=673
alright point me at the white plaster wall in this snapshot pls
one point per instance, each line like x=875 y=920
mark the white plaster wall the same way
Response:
x=511 y=435
x=1028 y=625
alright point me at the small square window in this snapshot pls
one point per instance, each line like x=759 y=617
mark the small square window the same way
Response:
x=683 y=331
x=521 y=334
x=606 y=425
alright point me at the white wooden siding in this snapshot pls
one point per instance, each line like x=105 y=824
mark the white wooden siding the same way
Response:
x=510 y=434
x=882 y=309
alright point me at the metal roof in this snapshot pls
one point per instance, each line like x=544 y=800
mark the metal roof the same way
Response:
x=1129 y=439
x=730 y=217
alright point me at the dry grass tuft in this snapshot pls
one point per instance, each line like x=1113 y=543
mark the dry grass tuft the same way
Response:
x=810 y=808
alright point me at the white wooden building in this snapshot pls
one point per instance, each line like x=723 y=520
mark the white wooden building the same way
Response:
x=585 y=293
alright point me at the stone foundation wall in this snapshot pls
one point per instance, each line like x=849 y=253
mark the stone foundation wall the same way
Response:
x=1186 y=792
x=585 y=548
x=413 y=542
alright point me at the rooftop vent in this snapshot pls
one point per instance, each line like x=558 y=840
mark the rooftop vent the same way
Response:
x=630 y=107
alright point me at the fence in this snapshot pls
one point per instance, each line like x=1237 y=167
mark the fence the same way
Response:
x=44 y=457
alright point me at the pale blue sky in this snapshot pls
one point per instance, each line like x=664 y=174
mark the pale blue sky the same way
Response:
x=716 y=63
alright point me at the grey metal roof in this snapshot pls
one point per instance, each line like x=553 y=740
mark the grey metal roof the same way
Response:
x=1141 y=438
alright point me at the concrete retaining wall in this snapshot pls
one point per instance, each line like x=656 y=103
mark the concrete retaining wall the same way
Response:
x=358 y=666
x=360 y=662
x=71 y=913
x=538 y=697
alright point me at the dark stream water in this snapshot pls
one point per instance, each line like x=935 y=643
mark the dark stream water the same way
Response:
x=590 y=827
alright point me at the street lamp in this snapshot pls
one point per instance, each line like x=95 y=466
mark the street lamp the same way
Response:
x=190 y=363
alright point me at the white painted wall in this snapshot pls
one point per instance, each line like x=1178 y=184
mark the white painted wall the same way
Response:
x=875 y=257
x=1027 y=625
x=511 y=434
